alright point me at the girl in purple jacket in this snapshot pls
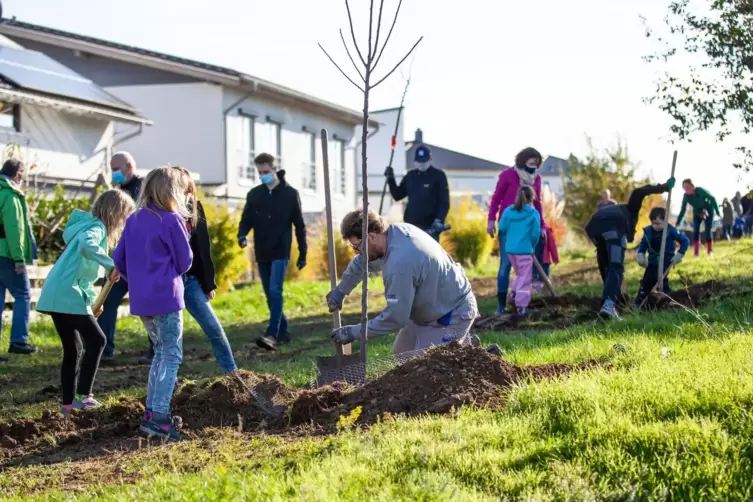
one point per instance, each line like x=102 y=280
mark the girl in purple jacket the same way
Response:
x=524 y=173
x=152 y=255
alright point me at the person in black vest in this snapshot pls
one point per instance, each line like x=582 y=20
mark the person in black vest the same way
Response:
x=611 y=228
x=427 y=191
x=125 y=178
x=272 y=208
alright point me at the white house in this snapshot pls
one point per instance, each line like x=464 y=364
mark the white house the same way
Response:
x=213 y=120
x=61 y=123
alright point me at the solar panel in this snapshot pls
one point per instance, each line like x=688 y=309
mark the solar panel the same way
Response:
x=35 y=71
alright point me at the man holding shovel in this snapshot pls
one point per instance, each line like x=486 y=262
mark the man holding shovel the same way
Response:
x=429 y=298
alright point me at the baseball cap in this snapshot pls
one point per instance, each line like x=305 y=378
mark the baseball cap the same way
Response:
x=423 y=154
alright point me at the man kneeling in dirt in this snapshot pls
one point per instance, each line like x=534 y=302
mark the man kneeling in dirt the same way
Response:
x=429 y=298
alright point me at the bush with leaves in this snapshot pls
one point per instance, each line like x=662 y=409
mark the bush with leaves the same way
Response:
x=467 y=241
x=317 y=258
x=49 y=215
x=230 y=260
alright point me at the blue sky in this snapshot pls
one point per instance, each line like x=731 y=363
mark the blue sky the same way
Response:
x=490 y=77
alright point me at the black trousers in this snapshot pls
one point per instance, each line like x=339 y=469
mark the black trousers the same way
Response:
x=74 y=331
x=650 y=278
x=610 y=255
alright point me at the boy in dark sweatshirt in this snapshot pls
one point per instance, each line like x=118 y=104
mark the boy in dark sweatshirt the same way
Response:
x=610 y=229
x=651 y=244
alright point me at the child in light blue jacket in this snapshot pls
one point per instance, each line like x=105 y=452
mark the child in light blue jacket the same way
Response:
x=521 y=224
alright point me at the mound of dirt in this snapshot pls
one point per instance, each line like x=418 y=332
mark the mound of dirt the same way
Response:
x=545 y=312
x=447 y=376
x=243 y=402
x=694 y=296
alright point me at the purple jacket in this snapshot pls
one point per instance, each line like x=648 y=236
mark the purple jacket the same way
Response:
x=152 y=255
x=505 y=192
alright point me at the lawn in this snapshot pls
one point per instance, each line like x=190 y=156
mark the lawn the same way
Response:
x=668 y=417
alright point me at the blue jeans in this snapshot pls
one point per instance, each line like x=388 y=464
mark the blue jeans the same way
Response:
x=547 y=267
x=503 y=275
x=539 y=253
x=20 y=289
x=109 y=315
x=272 y=277
x=166 y=332
x=706 y=229
x=201 y=310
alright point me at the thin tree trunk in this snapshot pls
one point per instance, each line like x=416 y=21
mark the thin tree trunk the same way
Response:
x=365 y=231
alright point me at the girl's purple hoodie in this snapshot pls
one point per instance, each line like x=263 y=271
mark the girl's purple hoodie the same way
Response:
x=508 y=185
x=152 y=255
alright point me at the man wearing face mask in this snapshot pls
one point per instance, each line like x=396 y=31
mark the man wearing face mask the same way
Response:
x=17 y=250
x=272 y=208
x=429 y=298
x=427 y=191
x=124 y=177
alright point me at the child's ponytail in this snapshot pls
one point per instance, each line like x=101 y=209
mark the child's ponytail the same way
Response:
x=525 y=196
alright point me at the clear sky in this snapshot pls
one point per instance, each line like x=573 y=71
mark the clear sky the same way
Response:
x=489 y=78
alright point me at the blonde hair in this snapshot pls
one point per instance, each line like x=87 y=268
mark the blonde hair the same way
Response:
x=525 y=196
x=112 y=208
x=164 y=188
x=190 y=188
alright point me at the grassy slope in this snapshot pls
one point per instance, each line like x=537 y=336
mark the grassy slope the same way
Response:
x=672 y=421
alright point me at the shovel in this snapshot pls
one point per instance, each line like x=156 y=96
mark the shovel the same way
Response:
x=102 y=296
x=335 y=368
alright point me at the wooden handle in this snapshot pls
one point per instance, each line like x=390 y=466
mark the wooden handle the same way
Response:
x=663 y=245
x=102 y=296
x=544 y=278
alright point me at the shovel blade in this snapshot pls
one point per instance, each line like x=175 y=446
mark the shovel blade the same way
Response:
x=329 y=369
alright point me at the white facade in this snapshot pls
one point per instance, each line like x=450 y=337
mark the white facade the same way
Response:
x=555 y=184
x=60 y=145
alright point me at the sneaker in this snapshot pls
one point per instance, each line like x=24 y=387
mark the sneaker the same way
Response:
x=537 y=287
x=266 y=342
x=107 y=359
x=165 y=427
x=22 y=348
x=284 y=338
x=522 y=311
x=86 y=403
x=609 y=310
x=66 y=409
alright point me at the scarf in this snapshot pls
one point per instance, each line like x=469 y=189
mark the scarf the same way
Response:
x=525 y=177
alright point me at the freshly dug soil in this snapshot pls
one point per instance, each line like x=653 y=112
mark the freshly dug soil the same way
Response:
x=447 y=376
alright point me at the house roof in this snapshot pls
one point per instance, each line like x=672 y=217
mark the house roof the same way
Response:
x=554 y=166
x=175 y=64
x=442 y=158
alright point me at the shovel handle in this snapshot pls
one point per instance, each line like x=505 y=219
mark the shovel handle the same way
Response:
x=102 y=296
x=544 y=278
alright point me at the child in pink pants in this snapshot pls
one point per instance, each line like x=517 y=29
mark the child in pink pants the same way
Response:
x=521 y=224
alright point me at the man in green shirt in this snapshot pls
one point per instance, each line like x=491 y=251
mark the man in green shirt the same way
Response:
x=704 y=208
x=17 y=250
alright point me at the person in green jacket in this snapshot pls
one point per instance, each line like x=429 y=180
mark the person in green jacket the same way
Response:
x=68 y=292
x=17 y=250
x=704 y=208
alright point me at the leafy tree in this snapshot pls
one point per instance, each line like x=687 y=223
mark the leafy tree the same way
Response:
x=715 y=94
x=588 y=176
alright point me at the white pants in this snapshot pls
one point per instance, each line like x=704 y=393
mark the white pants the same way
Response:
x=422 y=336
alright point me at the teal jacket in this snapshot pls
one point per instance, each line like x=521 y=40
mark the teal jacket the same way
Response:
x=522 y=229
x=69 y=287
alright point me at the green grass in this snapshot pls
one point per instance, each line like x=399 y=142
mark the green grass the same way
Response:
x=671 y=420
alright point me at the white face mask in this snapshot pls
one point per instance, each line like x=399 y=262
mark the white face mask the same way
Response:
x=421 y=166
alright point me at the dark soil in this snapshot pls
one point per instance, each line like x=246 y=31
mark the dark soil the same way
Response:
x=446 y=377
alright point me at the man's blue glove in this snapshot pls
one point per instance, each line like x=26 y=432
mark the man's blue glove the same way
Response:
x=335 y=299
x=301 y=262
x=437 y=226
x=242 y=241
x=346 y=334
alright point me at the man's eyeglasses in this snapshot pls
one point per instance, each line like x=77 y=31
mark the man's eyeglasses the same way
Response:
x=356 y=247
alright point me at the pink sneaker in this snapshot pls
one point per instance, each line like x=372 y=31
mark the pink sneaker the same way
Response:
x=86 y=403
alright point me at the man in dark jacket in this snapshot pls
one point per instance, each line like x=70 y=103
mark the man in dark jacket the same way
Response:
x=427 y=191
x=125 y=178
x=271 y=209
x=610 y=229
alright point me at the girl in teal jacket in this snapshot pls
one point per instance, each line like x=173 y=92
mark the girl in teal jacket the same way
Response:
x=68 y=292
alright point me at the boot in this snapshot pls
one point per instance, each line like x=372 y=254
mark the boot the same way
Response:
x=696 y=247
x=710 y=247
x=501 y=303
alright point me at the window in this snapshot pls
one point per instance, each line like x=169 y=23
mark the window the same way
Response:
x=10 y=116
x=338 y=176
x=268 y=139
x=309 y=166
x=258 y=137
x=246 y=154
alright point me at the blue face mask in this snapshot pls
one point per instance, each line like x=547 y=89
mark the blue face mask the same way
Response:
x=118 y=178
x=267 y=179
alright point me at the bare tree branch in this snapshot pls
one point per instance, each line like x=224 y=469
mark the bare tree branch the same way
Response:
x=379 y=26
x=341 y=70
x=358 y=70
x=398 y=65
x=353 y=34
x=389 y=34
x=370 y=57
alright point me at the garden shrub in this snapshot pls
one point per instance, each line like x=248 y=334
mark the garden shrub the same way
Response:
x=467 y=241
x=230 y=260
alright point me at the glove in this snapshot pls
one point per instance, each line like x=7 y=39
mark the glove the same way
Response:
x=642 y=260
x=242 y=241
x=301 y=262
x=437 y=226
x=335 y=299
x=491 y=229
x=677 y=258
x=671 y=183
x=389 y=172
x=346 y=334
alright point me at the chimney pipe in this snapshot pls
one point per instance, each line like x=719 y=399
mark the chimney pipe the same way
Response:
x=419 y=136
